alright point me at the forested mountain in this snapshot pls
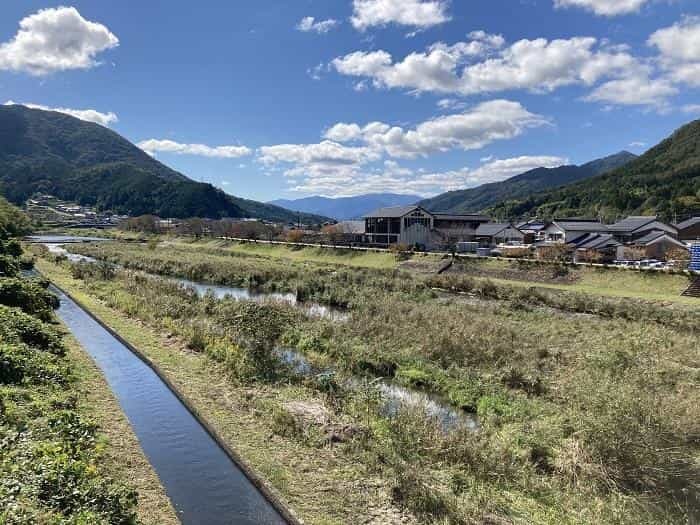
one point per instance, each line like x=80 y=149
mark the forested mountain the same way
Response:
x=477 y=199
x=49 y=152
x=665 y=181
x=344 y=208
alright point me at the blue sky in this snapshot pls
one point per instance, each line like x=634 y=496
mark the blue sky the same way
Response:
x=410 y=96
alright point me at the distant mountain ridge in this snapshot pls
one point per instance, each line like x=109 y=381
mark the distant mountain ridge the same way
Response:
x=345 y=208
x=521 y=186
x=49 y=152
x=664 y=181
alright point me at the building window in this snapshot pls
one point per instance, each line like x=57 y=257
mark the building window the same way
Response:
x=410 y=221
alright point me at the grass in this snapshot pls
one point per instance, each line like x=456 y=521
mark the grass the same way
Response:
x=584 y=418
x=339 y=256
x=121 y=454
x=609 y=282
x=67 y=453
x=322 y=485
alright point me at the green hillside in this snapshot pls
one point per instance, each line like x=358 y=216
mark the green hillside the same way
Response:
x=521 y=186
x=665 y=181
x=48 y=152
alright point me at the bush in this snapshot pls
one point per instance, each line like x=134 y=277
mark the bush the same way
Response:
x=31 y=296
x=18 y=327
x=21 y=364
x=9 y=266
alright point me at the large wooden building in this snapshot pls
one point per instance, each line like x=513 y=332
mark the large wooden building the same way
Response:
x=416 y=226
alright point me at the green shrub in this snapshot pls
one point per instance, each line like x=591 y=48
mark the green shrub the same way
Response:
x=9 y=266
x=29 y=295
x=18 y=327
x=22 y=364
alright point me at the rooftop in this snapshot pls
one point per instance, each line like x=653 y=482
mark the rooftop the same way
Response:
x=688 y=223
x=392 y=212
x=633 y=223
x=582 y=226
x=492 y=228
x=593 y=241
x=654 y=236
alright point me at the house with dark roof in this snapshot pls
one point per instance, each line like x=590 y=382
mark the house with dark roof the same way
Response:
x=534 y=230
x=567 y=230
x=657 y=244
x=636 y=227
x=494 y=233
x=689 y=230
x=597 y=247
x=416 y=226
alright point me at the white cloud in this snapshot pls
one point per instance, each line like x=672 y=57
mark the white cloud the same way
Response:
x=538 y=65
x=691 y=108
x=342 y=132
x=638 y=90
x=153 y=146
x=637 y=144
x=604 y=7
x=326 y=152
x=89 y=115
x=679 y=48
x=397 y=179
x=473 y=129
x=414 y=13
x=55 y=40
x=310 y=24
x=354 y=158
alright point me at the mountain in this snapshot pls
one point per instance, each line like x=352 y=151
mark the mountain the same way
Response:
x=477 y=199
x=665 y=181
x=344 y=208
x=49 y=152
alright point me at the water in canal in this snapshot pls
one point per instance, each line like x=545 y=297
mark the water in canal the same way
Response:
x=204 y=485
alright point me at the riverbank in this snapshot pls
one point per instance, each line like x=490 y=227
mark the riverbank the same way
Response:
x=321 y=484
x=121 y=453
x=580 y=399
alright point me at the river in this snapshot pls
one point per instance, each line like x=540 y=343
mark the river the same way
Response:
x=205 y=486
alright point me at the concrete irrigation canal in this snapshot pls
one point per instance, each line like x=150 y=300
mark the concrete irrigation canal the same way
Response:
x=201 y=479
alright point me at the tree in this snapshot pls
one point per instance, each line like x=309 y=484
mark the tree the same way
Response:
x=333 y=233
x=294 y=236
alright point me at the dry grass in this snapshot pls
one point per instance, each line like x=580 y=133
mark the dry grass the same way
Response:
x=322 y=485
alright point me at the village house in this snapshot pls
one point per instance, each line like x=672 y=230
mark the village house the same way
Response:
x=534 y=231
x=494 y=233
x=416 y=226
x=657 y=245
x=636 y=227
x=689 y=230
x=597 y=248
x=567 y=230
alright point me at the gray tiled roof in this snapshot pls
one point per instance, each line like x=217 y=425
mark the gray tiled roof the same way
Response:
x=688 y=223
x=492 y=228
x=582 y=226
x=392 y=212
x=460 y=217
x=596 y=240
x=651 y=236
x=633 y=223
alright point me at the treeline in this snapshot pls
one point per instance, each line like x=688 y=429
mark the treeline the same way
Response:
x=151 y=224
x=665 y=181
x=49 y=453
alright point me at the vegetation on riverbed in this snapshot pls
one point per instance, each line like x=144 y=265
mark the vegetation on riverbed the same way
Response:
x=49 y=457
x=58 y=463
x=583 y=417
